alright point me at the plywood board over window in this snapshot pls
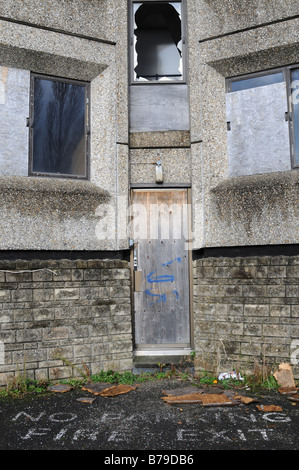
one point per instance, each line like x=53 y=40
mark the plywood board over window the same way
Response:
x=263 y=122
x=14 y=99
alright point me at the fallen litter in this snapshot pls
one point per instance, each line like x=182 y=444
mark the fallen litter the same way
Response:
x=117 y=390
x=86 y=400
x=294 y=398
x=216 y=399
x=284 y=376
x=288 y=390
x=105 y=390
x=182 y=391
x=205 y=399
x=96 y=388
x=185 y=398
x=245 y=400
x=212 y=396
x=272 y=408
x=59 y=388
x=230 y=375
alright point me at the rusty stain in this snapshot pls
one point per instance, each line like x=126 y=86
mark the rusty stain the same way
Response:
x=4 y=74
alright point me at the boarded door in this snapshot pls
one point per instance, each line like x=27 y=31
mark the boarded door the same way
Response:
x=161 y=269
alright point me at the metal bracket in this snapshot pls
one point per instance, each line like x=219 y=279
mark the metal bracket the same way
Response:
x=135 y=261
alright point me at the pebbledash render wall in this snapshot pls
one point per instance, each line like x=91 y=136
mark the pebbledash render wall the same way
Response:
x=60 y=317
x=246 y=312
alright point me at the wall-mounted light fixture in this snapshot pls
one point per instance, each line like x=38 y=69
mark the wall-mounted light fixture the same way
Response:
x=159 y=172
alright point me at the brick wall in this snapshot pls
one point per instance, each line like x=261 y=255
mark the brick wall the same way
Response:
x=246 y=311
x=77 y=310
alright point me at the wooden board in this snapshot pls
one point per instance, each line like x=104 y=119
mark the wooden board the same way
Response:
x=161 y=299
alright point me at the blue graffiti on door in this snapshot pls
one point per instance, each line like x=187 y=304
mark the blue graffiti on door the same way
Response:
x=152 y=278
x=161 y=298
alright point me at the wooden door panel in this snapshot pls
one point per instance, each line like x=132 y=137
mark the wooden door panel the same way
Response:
x=161 y=294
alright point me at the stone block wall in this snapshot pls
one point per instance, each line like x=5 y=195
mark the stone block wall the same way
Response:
x=59 y=314
x=246 y=312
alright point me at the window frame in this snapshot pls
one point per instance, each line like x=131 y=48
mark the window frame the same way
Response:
x=286 y=72
x=87 y=121
x=132 y=43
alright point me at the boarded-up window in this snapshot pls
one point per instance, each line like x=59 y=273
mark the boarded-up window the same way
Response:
x=263 y=122
x=258 y=136
x=14 y=99
x=294 y=103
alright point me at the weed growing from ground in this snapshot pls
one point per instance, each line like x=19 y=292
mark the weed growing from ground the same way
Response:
x=20 y=386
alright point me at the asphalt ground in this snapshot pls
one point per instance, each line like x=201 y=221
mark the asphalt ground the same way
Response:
x=140 y=424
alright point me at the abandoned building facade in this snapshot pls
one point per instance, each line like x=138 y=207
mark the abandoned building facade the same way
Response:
x=149 y=156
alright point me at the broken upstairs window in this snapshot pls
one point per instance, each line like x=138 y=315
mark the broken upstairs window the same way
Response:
x=58 y=127
x=158 y=42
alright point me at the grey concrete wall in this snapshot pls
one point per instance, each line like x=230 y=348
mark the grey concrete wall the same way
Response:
x=53 y=214
x=73 y=40
x=95 y=19
x=175 y=162
x=255 y=210
x=257 y=49
x=60 y=314
x=246 y=313
x=218 y=17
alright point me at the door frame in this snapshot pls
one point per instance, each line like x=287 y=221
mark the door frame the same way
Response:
x=161 y=350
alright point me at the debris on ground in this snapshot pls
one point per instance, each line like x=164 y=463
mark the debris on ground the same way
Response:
x=96 y=388
x=230 y=375
x=209 y=397
x=86 y=400
x=245 y=400
x=215 y=396
x=117 y=390
x=288 y=390
x=185 y=398
x=284 y=376
x=183 y=391
x=269 y=408
x=59 y=388
x=205 y=396
x=216 y=399
x=294 y=398
x=105 y=390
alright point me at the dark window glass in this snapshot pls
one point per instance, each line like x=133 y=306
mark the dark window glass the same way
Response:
x=254 y=82
x=58 y=128
x=295 y=106
x=158 y=41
